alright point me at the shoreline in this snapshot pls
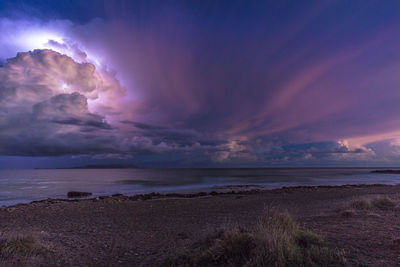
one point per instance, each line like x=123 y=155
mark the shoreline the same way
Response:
x=225 y=190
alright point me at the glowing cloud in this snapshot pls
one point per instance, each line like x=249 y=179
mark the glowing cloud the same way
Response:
x=37 y=39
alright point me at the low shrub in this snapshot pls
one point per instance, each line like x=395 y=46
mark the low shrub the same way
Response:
x=383 y=203
x=275 y=240
x=23 y=251
x=379 y=202
x=20 y=246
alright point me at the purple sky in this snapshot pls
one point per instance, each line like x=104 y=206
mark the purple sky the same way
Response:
x=205 y=84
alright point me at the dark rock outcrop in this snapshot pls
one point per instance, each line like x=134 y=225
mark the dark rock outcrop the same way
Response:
x=78 y=194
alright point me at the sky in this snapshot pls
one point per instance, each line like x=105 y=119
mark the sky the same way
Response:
x=199 y=83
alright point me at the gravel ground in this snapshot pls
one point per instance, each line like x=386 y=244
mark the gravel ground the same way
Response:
x=143 y=231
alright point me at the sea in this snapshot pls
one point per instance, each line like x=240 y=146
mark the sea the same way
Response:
x=23 y=186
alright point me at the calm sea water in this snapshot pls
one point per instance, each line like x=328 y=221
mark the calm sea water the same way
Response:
x=21 y=186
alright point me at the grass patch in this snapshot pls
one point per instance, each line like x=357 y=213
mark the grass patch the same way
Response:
x=20 y=246
x=362 y=204
x=383 y=203
x=17 y=250
x=275 y=240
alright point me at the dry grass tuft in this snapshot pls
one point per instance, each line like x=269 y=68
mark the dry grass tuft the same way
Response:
x=349 y=208
x=23 y=246
x=360 y=204
x=275 y=240
x=21 y=250
x=383 y=203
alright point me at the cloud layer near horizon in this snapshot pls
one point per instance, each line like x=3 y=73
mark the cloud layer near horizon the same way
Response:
x=301 y=88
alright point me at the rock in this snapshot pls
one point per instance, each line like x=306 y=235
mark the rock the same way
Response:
x=78 y=194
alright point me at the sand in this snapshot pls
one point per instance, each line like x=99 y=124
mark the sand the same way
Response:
x=143 y=231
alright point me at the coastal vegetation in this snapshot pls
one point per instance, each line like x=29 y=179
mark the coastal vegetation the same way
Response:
x=274 y=240
x=22 y=250
x=351 y=207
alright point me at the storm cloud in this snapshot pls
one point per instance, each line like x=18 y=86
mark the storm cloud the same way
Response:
x=258 y=84
x=44 y=106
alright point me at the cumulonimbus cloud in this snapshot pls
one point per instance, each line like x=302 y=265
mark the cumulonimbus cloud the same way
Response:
x=52 y=105
x=189 y=90
x=44 y=105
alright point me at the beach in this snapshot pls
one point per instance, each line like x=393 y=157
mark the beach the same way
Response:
x=25 y=186
x=145 y=230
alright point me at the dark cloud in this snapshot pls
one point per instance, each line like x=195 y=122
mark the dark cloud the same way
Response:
x=40 y=118
x=159 y=139
x=251 y=83
x=68 y=109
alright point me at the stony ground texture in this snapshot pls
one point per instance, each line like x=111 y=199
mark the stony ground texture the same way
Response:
x=144 y=231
